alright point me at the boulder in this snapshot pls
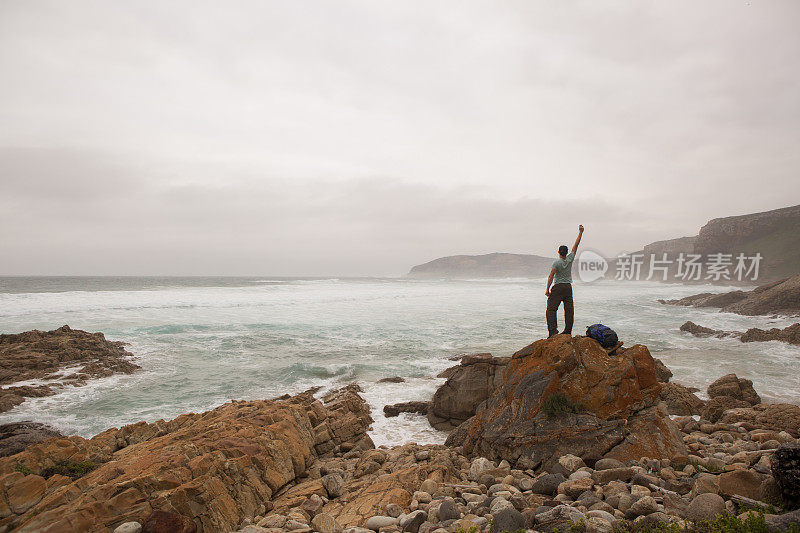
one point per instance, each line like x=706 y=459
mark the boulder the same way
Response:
x=524 y=420
x=467 y=387
x=575 y=487
x=334 y=485
x=596 y=524
x=606 y=463
x=786 y=522
x=128 y=527
x=375 y=523
x=413 y=520
x=745 y=483
x=558 y=518
x=716 y=407
x=448 y=511
x=478 y=466
x=507 y=520
x=786 y=471
x=548 y=484
x=601 y=477
x=735 y=387
x=571 y=463
x=705 y=506
x=325 y=523
x=642 y=506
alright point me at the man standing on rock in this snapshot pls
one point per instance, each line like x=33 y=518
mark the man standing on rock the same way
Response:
x=562 y=290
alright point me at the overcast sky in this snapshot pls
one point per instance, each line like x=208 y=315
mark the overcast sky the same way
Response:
x=361 y=138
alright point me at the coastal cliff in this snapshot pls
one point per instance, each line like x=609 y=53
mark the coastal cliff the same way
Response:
x=774 y=234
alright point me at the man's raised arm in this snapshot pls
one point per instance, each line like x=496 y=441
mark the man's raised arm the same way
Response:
x=578 y=240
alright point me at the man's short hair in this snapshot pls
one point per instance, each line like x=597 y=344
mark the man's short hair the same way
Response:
x=562 y=250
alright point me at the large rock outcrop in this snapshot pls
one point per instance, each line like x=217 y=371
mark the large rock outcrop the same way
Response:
x=468 y=385
x=614 y=400
x=214 y=468
x=40 y=355
x=777 y=297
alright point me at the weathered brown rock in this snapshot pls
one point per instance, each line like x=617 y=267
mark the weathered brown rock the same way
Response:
x=745 y=483
x=467 y=387
x=716 y=408
x=41 y=354
x=617 y=396
x=790 y=334
x=782 y=297
x=777 y=297
x=213 y=468
x=680 y=400
x=774 y=416
x=702 y=331
x=663 y=374
x=735 y=387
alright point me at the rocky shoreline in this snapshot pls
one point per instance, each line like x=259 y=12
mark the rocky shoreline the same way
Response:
x=38 y=363
x=561 y=436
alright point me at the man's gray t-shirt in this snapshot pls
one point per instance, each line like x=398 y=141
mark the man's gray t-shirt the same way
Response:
x=563 y=269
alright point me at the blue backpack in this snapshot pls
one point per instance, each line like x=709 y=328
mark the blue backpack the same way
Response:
x=602 y=334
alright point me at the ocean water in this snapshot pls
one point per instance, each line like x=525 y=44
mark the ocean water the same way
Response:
x=204 y=341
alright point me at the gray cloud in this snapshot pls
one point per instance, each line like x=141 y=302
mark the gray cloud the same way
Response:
x=361 y=138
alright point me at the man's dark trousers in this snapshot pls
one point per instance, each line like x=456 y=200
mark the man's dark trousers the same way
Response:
x=560 y=292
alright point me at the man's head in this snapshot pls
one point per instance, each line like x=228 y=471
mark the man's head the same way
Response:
x=562 y=250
